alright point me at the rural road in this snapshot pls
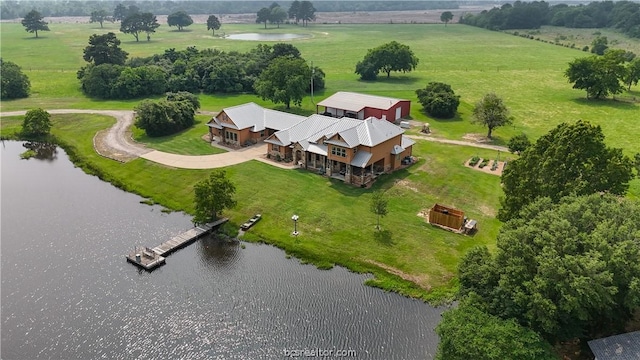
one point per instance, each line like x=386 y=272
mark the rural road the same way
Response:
x=116 y=143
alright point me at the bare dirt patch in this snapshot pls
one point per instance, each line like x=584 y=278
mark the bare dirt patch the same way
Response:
x=406 y=184
x=420 y=280
x=477 y=138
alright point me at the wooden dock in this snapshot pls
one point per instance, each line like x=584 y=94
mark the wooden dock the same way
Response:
x=150 y=259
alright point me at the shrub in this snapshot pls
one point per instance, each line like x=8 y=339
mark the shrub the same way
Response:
x=484 y=163
x=474 y=161
x=439 y=100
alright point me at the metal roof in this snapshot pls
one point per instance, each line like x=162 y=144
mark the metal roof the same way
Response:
x=254 y=116
x=617 y=347
x=355 y=102
x=361 y=159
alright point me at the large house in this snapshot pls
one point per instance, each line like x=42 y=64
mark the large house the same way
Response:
x=362 y=106
x=249 y=123
x=355 y=151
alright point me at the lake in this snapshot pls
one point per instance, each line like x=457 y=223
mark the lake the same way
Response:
x=68 y=292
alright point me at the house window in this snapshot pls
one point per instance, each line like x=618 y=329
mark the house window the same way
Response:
x=275 y=148
x=338 y=151
x=231 y=136
x=262 y=133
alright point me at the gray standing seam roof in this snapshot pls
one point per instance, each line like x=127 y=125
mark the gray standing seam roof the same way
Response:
x=355 y=101
x=254 y=116
x=617 y=347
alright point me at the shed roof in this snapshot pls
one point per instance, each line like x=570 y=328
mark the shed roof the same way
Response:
x=355 y=101
x=617 y=347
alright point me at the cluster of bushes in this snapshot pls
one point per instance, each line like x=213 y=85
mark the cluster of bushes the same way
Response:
x=622 y=15
x=15 y=84
x=192 y=70
x=474 y=161
x=170 y=115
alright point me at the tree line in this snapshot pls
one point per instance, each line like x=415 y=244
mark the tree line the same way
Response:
x=12 y=9
x=623 y=16
x=109 y=75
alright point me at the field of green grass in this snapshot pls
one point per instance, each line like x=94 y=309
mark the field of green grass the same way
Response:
x=335 y=222
x=528 y=74
x=336 y=226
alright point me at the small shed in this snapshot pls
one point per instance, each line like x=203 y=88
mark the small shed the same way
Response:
x=446 y=216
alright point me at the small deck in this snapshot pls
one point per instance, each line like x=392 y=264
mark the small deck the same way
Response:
x=150 y=259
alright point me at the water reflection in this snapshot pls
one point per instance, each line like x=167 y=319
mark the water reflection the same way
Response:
x=42 y=150
x=219 y=253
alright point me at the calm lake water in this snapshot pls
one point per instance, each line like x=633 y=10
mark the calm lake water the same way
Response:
x=267 y=37
x=68 y=292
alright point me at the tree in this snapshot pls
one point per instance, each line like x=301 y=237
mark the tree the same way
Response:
x=212 y=196
x=15 y=84
x=491 y=112
x=104 y=49
x=284 y=49
x=598 y=75
x=278 y=15
x=98 y=81
x=213 y=23
x=633 y=73
x=445 y=17
x=306 y=12
x=378 y=206
x=518 y=144
x=467 y=332
x=285 y=80
x=137 y=23
x=599 y=45
x=37 y=122
x=99 y=16
x=264 y=15
x=570 y=159
x=121 y=12
x=569 y=269
x=180 y=19
x=439 y=100
x=388 y=57
x=294 y=11
x=174 y=113
x=33 y=22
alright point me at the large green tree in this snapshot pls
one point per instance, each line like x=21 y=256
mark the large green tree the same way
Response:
x=599 y=76
x=566 y=270
x=439 y=100
x=306 y=12
x=99 y=16
x=278 y=15
x=491 y=112
x=570 y=159
x=294 y=11
x=213 y=23
x=37 y=122
x=104 y=49
x=467 y=332
x=167 y=116
x=633 y=73
x=445 y=17
x=33 y=22
x=599 y=45
x=263 y=16
x=212 y=196
x=180 y=19
x=138 y=23
x=14 y=83
x=388 y=57
x=286 y=80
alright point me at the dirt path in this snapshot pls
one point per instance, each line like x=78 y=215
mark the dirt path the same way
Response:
x=459 y=142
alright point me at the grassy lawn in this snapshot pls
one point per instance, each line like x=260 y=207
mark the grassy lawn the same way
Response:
x=335 y=223
x=186 y=142
x=528 y=74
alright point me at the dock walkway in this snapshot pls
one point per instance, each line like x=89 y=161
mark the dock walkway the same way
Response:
x=150 y=259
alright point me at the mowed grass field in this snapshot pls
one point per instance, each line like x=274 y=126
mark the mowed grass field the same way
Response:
x=335 y=222
x=528 y=74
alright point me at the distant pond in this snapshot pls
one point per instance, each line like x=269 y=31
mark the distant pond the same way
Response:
x=68 y=292
x=267 y=37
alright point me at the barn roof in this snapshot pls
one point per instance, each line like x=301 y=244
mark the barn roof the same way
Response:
x=254 y=116
x=617 y=347
x=355 y=102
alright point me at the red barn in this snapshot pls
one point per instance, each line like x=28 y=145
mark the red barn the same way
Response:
x=362 y=106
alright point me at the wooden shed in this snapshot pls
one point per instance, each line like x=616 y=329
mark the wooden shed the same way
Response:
x=446 y=216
